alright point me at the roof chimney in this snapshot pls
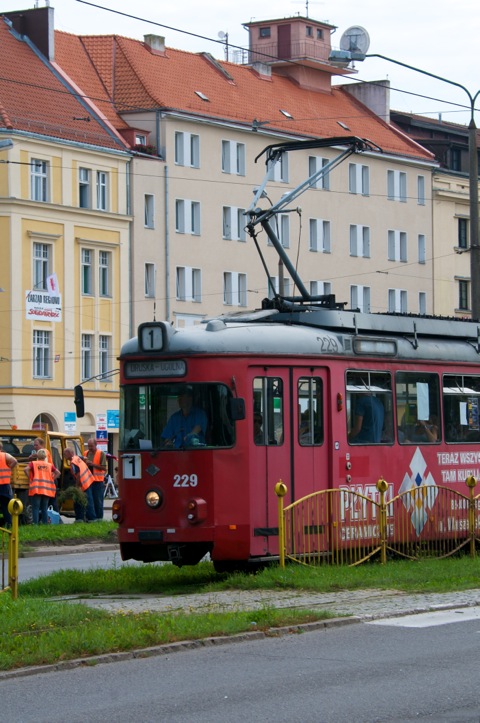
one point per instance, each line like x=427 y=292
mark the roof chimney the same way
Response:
x=37 y=24
x=155 y=43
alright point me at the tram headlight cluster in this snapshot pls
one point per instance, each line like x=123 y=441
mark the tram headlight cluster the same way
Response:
x=154 y=499
x=196 y=510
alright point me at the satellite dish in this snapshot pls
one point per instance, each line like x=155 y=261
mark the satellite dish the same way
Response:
x=355 y=40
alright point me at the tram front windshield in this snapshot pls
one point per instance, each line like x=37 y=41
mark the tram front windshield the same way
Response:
x=176 y=416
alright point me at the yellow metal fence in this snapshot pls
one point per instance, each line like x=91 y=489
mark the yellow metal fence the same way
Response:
x=9 y=549
x=343 y=527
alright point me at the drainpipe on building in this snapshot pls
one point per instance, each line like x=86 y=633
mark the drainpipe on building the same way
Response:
x=167 y=251
x=130 y=246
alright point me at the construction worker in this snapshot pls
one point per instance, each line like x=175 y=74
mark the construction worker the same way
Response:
x=7 y=463
x=84 y=479
x=42 y=489
x=97 y=463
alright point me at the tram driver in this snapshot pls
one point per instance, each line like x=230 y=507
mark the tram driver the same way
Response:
x=187 y=426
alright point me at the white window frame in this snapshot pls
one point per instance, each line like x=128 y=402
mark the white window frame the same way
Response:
x=84 y=187
x=39 y=180
x=320 y=235
x=284 y=229
x=187 y=149
x=320 y=288
x=233 y=157
x=187 y=216
x=422 y=249
x=234 y=288
x=360 y=298
x=104 y=354
x=42 y=263
x=233 y=223
x=397 y=186
x=86 y=356
x=150 y=280
x=281 y=169
x=422 y=302
x=188 y=284
x=149 y=205
x=42 y=358
x=359 y=179
x=104 y=273
x=87 y=260
x=315 y=163
x=102 y=190
x=421 y=191
x=360 y=241
x=397 y=245
x=398 y=301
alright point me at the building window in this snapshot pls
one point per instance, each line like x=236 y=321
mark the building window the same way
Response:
x=41 y=354
x=463 y=232
x=103 y=354
x=315 y=165
x=463 y=295
x=309 y=31
x=87 y=274
x=422 y=252
x=360 y=240
x=319 y=34
x=397 y=246
x=233 y=157
x=187 y=149
x=284 y=230
x=187 y=216
x=104 y=273
x=280 y=169
x=319 y=235
x=140 y=139
x=102 y=190
x=360 y=298
x=421 y=190
x=320 y=288
x=233 y=223
x=274 y=286
x=422 y=303
x=39 y=180
x=84 y=188
x=264 y=32
x=41 y=265
x=189 y=284
x=149 y=211
x=358 y=179
x=397 y=186
x=397 y=301
x=150 y=281
x=234 y=289
x=86 y=352
x=456 y=159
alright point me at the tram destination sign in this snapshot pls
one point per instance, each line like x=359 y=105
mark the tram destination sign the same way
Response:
x=137 y=369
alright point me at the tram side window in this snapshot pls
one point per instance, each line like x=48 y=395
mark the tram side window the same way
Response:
x=418 y=408
x=461 y=404
x=310 y=411
x=369 y=407
x=268 y=411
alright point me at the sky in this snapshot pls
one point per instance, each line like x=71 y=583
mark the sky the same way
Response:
x=437 y=36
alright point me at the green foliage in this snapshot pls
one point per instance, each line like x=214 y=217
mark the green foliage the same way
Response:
x=76 y=494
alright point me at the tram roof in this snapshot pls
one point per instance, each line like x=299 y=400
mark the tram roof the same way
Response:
x=309 y=330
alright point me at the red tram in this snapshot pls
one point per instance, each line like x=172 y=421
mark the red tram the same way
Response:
x=280 y=393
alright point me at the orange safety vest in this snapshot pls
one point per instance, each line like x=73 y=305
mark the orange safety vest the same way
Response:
x=85 y=477
x=5 y=471
x=99 y=474
x=41 y=479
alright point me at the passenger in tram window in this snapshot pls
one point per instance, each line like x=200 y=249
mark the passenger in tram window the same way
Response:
x=368 y=420
x=304 y=432
x=426 y=431
x=258 y=436
x=187 y=426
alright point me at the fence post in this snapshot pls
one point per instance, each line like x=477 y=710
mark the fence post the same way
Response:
x=15 y=507
x=382 y=487
x=471 y=483
x=281 y=491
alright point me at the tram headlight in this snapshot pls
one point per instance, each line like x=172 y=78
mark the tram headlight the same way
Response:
x=154 y=499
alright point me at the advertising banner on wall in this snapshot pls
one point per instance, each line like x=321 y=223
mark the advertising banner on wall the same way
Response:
x=43 y=306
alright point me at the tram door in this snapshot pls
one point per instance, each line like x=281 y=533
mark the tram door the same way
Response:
x=289 y=444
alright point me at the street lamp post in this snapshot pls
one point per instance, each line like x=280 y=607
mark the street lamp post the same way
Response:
x=341 y=57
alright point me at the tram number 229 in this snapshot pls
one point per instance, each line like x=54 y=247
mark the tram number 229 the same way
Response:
x=185 y=480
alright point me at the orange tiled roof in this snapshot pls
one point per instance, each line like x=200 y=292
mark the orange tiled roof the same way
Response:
x=34 y=100
x=135 y=78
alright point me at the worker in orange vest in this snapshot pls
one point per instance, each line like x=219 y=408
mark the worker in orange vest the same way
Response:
x=42 y=489
x=97 y=463
x=39 y=443
x=7 y=463
x=84 y=479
